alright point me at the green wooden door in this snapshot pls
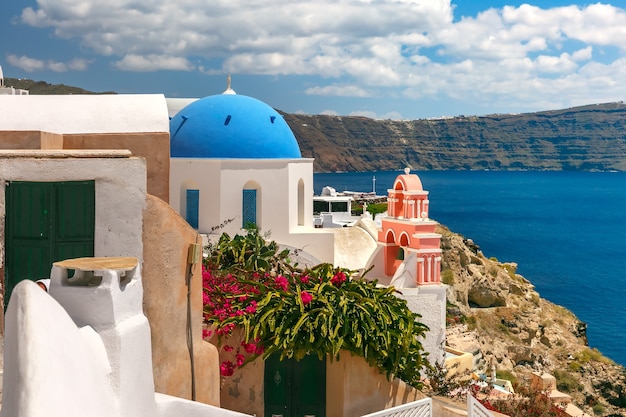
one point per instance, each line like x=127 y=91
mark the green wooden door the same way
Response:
x=46 y=222
x=295 y=388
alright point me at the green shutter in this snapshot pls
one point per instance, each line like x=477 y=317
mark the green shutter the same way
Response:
x=46 y=222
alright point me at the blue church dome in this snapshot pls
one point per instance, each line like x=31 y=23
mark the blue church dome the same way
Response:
x=231 y=126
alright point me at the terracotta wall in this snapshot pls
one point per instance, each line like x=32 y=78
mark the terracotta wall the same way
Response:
x=166 y=238
x=154 y=147
x=243 y=391
x=353 y=389
x=25 y=139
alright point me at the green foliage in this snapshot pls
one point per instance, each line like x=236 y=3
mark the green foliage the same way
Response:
x=587 y=355
x=574 y=366
x=598 y=409
x=248 y=252
x=471 y=323
x=565 y=382
x=376 y=208
x=446 y=382
x=447 y=276
x=297 y=312
x=511 y=270
x=506 y=374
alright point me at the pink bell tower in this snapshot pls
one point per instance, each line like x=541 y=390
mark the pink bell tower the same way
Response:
x=408 y=235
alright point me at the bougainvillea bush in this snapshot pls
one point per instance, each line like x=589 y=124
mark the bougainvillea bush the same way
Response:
x=527 y=402
x=252 y=289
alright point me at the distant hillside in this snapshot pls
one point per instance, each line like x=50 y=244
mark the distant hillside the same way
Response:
x=588 y=138
x=582 y=138
x=42 y=87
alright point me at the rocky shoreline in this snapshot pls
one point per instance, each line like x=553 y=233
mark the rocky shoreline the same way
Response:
x=498 y=316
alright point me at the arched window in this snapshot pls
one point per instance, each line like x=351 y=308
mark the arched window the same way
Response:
x=192 y=211
x=190 y=202
x=251 y=205
x=248 y=214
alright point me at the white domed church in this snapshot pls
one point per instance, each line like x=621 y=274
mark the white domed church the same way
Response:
x=235 y=163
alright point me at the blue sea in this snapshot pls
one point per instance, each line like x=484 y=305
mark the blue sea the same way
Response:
x=565 y=230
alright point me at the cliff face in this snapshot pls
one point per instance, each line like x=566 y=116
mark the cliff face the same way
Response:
x=582 y=138
x=498 y=316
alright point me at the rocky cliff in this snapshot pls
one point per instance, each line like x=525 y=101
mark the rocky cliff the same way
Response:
x=497 y=315
x=582 y=138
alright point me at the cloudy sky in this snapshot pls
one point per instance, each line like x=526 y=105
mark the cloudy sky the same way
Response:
x=399 y=59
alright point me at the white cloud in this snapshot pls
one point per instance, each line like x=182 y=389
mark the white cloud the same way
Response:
x=26 y=63
x=373 y=115
x=29 y=64
x=338 y=91
x=402 y=48
x=139 y=63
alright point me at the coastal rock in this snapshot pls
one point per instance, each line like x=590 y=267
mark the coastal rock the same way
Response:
x=484 y=295
x=496 y=314
x=521 y=355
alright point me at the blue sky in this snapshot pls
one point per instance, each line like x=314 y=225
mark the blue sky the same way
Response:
x=399 y=59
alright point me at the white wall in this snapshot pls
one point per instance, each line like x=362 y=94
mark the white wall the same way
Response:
x=136 y=113
x=120 y=193
x=430 y=302
x=221 y=182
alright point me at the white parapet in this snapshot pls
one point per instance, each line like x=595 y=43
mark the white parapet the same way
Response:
x=84 y=348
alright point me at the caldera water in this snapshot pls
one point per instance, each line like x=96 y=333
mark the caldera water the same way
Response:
x=566 y=230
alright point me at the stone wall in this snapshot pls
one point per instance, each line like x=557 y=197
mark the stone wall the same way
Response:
x=353 y=388
x=166 y=239
x=154 y=147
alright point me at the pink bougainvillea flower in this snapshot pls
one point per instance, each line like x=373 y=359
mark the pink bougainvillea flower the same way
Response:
x=249 y=347
x=281 y=282
x=206 y=333
x=251 y=309
x=228 y=348
x=306 y=297
x=304 y=279
x=240 y=359
x=338 y=279
x=227 y=368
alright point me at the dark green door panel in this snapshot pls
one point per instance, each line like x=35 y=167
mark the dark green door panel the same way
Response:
x=277 y=387
x=46 y=222
x=295 y=388
x=310 y=387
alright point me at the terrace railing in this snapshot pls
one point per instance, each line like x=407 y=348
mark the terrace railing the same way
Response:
x=476 y=409
x=420 y=408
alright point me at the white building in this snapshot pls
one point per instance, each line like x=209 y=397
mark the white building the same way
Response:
x=235 y=162
x=10 y=90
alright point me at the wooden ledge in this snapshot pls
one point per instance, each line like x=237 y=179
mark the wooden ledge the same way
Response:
x=99 y=264
x=65 y=153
